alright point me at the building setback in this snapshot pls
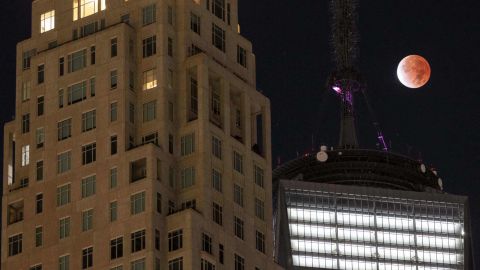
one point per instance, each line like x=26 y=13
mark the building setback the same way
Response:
x=140 y=141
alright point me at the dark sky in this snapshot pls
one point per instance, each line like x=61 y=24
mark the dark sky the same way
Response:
x=439 y=123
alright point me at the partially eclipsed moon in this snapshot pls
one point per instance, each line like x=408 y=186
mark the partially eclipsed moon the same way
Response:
x=413 y=71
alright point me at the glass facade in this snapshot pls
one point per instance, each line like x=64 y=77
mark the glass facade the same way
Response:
x=347 y=230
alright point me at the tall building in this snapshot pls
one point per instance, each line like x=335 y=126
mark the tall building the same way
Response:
x=140 y=141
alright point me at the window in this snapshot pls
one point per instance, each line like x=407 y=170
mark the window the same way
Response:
x=170 y=15
x=39 y=171
x=217 y=213
x=26 y=89
x=218 y=37
x=40 y=137
x=149 y=111
x=241 y=56
x=149 y=79
x=238 y=194
x=25 y=155
x=61 y=66
x=63 y=195
x=187 y=144
x=170 y=111
x=216 y=103
x=77 y=92
x=239 y=262
x=190 y=204
x=77 y=60
x=39 y=203
x=27 y=57
x=206 y=243
x=171 y=176
x=87 y=257
x=258 y=176
x=131 y=113
x=206 y=265
x=60 y=98
x=64 y=227
x=260 y=241
x=38 y=236
x=113 y=177
x=171 y=207
x=36 y=267
x=218 y=8
x=89 y=153
x=137 y=203
x=175 y=240
x=220 y=253
x=64 y=129
x=137 y=241
x=138 y=170
x=92 y=87
x=159 y=203
x=113 y=79
x=92 y=55
x=88 y=186
x=14 y=245
x=170 y=47
x=113 y=211
x=138 y=265
x=216 y=147
x=217 y=180
x=195 y=23
x=170 y=143
x=187 y=177
x=237 y=162
x=113 y=47
x=175 y=264
x=113 y=144
x=149 y=46
x=116 y=248
x=193 y=99
x=89 y=120
x=84 y=8
x=118 y=267
x=64 y=262
x=149 y=14
x=157 y=239
x=113 y=111
x=238 y=227
x=150 y=138
x=40 y=105
x=87 y=220
x=259 y=209
x=40 y=73
x=26 y=123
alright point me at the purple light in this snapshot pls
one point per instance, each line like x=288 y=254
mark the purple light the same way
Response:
x=337 y=89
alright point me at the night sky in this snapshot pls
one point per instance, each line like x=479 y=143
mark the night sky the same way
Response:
x=439 y=123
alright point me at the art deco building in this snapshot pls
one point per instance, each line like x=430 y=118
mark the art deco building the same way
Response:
x=367 y=209
x=140 y=141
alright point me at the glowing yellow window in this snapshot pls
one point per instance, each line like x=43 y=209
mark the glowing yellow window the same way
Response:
x=149 y=79
x=84 y=8
x=47 y=21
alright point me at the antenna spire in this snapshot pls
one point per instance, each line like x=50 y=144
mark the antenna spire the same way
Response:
x=345 y=79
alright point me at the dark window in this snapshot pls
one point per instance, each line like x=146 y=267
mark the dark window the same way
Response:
x=41 y=74
x=170 y=47
x=193 y=99
x=92 y=55
x=138 y=170
x=219 y=8
x=239 y=262
x=241 y=56
x=113 y=145
x=40 y=105
x=157 y=240
x=113 y=47
x=260 y=241
x=113 y=79
x=149 y=14
x=220 y=253
x=25 y=123
x=217 y=213
x=238 y=227
x=39 y=170
x=137 y=241
x=39 y=203
x=149 y=46
x=15 y=245
x=159 y=202
x=27 y=57
x=170 y=15
x=175 y=240
x=206 y=243
x=116 y=248
x=218 y=37
x=170 y=143
x=89 y=153
x=195 y=23
x=61 y=66
x=87 y=258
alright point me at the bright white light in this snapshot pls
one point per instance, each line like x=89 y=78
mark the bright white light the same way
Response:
x=395 y=238
x=316 y=262
x=439 y=257
x=425 y=225
x=47 y=21
x=313 y=246
x=438 y=242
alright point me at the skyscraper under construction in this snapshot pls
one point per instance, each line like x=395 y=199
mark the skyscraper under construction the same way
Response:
x=140 y=141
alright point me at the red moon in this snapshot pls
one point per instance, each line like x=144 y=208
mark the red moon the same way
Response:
x=413 y=71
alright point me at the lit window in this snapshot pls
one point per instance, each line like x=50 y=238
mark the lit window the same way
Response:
x=84 y=8
x=47 y=21
x=25 y=155
x=149 y=79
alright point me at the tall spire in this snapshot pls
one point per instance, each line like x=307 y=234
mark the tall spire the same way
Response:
x=345 y=79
